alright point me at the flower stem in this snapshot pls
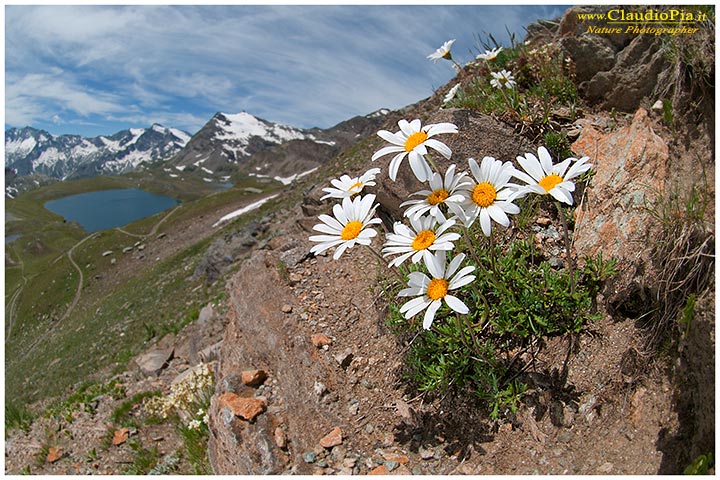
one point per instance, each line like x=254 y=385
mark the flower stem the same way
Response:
x=432 y=163
x=566 y=236
x=471 y=247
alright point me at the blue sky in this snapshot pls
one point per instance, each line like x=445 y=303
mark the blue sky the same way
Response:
x=93 y=70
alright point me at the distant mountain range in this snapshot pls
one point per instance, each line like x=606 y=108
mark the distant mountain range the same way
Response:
x=29 y=150
x=226 y=144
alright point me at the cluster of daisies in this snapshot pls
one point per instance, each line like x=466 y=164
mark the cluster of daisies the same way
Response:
x=503 y=79
x=452 y=201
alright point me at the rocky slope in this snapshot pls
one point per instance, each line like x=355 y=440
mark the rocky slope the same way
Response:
x=606 y=401
x=336 y=401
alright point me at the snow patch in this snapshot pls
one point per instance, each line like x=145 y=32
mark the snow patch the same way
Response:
x=207 y=170
x=292 y=178
x=245 y=209
x=180 y=167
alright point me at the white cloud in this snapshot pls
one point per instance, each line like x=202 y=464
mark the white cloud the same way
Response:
x=303 y=65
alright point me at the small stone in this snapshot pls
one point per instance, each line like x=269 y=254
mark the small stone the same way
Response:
x=657 y=105
x=391 y=465
x=320 y=389
x=344 y=358
x=286 y=308
x=606 y=467
x=543 y=221
x=426 y=453
x=246 y=408
x=280 y=438
x=294 y=278
x=338 y=454
x=309 y=457
x=350 y=462
x=381 y=470
x=332 y=439
x=369 y=428
x=226 y=416
x=402 y=470
x=354 y=408
x=120 y=436
x=417 y=470
x=320 y=340
x=54 y=454
x=401 y=459
x=253 y=378
x=322 y=463
x=566 y=436
x=556 y=262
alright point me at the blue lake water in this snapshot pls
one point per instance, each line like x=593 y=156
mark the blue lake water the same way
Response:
x=12 y=238
x=109 y=208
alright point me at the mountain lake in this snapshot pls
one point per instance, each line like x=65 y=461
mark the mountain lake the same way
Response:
x=109 y=208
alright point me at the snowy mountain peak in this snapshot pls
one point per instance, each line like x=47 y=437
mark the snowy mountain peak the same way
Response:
x=240 y=127
x=29 y=150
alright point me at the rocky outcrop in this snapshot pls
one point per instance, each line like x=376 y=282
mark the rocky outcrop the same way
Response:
x=260 y=335
x=631 y=170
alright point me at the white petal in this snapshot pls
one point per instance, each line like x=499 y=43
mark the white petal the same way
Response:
x=393 y=138
x=545 y=160
x=456 y=304
x=561 y=195
x=475 y=169
x=436 y=264
x=419 y=166
x=485 y=222
x=454 y=264
x=430 y=314
x=321 y=227
x=532 y=166
x=498 y=215
x=440 y=147
x=439 y=128
x=395 y=164
x=385 y=150
x=331 y=221
x=461 y=279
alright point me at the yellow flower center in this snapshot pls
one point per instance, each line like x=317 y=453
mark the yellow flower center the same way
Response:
x=549 y=182
x=351 y=230
x=484 y=194
x=437 y=289
x=414 y=140
x=438 y=196
x=356 y=186
x=423 y=240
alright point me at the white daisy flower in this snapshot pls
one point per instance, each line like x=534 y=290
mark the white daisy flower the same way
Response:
x=442 y=52
x=347 y=187
x=413 y=140
x=503 y=79
x=451 y=94
x=543 y=177
x=491 y=197
x=441 y=192
x=347 y=227
x=489 y=54
x=427 y=233
x=430 y=292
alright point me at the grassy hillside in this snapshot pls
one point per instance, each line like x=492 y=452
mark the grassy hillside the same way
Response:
x=51 y=344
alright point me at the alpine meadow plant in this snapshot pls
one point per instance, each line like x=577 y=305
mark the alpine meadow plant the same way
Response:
x=485 y=307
